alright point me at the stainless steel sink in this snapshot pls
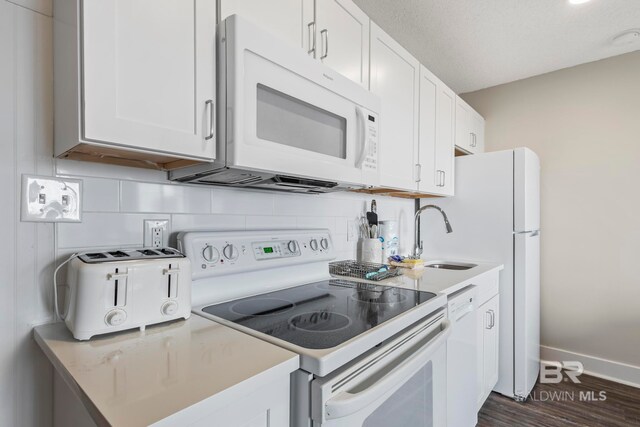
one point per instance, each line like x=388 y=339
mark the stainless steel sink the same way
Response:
x=445 y=265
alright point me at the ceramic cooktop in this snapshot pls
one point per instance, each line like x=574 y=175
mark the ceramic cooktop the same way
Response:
x=320 y=315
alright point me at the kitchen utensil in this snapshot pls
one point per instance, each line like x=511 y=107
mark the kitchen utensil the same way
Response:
x=372 y=216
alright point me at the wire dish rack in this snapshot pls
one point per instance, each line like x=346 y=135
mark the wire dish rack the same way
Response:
x=363 y=270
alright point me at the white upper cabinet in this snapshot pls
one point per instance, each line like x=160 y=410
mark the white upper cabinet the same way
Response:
x=395 y=78
x=477 y=129
x=291 y=20
x=429 y=178
x=436 y=148
x=469 y=128
x=445 y=140
x=147 y=88
x=342 y=38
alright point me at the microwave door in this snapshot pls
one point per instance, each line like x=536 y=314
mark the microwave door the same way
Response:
x=290 y=115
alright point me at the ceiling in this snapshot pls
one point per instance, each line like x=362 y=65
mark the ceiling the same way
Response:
x=474 y=44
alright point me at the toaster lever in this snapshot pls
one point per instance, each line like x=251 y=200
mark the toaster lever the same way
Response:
x=117 y=276
x=171 y=271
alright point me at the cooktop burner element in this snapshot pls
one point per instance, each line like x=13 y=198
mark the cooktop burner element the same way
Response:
x=320 y=315
x=320 y=321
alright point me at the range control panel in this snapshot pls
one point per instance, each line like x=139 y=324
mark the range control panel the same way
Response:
x=215 y=253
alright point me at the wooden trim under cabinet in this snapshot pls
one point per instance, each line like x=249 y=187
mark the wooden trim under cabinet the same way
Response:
x=391 y=192
x=125 y=157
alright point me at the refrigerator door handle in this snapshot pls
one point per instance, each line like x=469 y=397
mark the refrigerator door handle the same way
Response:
x=533 y=233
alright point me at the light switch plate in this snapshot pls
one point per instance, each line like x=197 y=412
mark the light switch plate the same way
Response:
x=51 y=199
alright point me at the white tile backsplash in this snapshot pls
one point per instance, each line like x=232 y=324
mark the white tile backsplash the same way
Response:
x=116 y=208
x=263 y=222
x=166 y=198
x=104 y=230
x=242 y=202
x=100 y=195
x=184 y=222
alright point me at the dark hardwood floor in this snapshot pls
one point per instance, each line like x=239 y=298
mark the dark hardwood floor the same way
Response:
x=555 y=405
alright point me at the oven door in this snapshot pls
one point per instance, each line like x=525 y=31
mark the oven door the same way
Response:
x=403 y=383
x=288 y=114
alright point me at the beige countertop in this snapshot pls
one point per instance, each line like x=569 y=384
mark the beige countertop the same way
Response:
x=138 y=378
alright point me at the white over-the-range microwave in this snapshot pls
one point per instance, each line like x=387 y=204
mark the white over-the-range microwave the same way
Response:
x=286 y=121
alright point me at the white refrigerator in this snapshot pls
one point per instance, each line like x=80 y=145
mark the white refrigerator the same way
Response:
x=495 y=216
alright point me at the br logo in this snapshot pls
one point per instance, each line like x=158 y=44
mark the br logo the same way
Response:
x=555 y=372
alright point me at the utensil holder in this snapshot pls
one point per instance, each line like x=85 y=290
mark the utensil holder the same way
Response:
x=369 y=250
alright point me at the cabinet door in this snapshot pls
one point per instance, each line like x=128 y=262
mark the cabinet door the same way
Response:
x=429 y=175
x=291 y=20
x=149 y=75
x=478 y=132
x=395 y=78
x=343 y=38
x=463 y=125
x=445 y=135
x=490 y=345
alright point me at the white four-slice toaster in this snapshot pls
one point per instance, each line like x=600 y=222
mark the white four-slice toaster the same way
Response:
x=124 y=289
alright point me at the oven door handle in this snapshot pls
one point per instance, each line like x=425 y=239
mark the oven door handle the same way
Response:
x=345 y=403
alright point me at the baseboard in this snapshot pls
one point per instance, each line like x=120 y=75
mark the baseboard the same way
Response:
x=602 y=368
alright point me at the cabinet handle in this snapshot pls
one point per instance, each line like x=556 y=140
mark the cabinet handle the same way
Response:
x=473 y=139
x=418 y=172
x=444 y=178
x=209 y=106
x=487 y=317
x=492 y=319
x=311 y=33
x=325 y=43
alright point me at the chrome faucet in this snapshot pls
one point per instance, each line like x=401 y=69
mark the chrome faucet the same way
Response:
x=418 y=243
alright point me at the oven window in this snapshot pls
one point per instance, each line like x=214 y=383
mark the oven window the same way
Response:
x=290 y=121
x=410 y=405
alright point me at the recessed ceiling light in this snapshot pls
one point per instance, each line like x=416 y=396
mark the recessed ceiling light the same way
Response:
x=578 y=1
x=628 y=37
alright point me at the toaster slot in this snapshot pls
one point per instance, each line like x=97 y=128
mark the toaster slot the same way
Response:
x=119 y=295
x=172 y=281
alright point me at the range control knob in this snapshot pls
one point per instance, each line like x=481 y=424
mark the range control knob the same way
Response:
x=210 y=254
x=230 y=252
x=292 y=246
x=313 y=244
x=115 y=317
x=324 y=243
x=169 y=308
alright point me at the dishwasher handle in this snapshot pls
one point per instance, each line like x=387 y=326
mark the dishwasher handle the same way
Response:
x=345 y=403
x=461 y=312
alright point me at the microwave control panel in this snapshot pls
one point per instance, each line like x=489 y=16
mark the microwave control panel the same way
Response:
x=371 y=125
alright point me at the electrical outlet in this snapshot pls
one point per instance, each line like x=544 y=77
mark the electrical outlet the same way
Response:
x=51 y=199
x=156 y=233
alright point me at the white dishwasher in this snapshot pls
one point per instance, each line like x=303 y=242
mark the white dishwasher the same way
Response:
x=461 y=359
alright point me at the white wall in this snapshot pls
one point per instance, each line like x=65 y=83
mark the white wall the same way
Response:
x=584 y=123
x=116 y=200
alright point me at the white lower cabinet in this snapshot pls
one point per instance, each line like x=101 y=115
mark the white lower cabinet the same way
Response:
x=487 y=339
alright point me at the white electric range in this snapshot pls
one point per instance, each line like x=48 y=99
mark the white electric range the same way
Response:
x=370 y=354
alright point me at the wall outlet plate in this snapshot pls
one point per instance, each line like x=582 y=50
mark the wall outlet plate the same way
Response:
x=50 y=199
x=156 y=233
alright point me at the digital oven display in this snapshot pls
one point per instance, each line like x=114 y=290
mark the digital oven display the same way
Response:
x=268 y=250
